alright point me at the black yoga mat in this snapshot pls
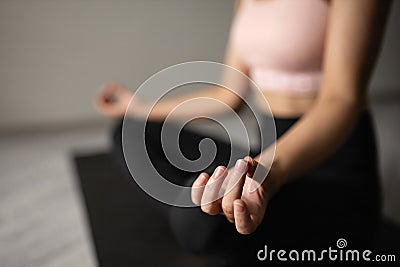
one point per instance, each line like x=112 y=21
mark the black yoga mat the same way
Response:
x=128 y=232
x=125 y=231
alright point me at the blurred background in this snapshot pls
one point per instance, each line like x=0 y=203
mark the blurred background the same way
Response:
x=54 y=55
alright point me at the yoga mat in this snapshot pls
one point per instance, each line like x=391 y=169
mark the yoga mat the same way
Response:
x=125 y=231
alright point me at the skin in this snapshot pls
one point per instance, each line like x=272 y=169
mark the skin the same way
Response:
x=354 y=37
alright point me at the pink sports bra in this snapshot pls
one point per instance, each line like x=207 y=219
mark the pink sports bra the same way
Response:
x=282 y=43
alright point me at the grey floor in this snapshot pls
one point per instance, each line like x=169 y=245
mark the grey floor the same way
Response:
x=42 y=220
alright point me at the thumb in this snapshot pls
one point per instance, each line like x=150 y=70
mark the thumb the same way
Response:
x=243 y=222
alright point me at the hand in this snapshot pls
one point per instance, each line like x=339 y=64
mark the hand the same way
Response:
x=239 y=202
x=113 y=99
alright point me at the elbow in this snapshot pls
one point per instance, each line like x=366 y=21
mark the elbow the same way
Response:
x=237 y=104
x=351 y=99
x=231 y=99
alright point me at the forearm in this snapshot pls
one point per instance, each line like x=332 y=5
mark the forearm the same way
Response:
x=208 y=102
x=314 y=138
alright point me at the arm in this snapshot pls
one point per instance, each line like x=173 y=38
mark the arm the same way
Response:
x=353 y=40
x=113 y=99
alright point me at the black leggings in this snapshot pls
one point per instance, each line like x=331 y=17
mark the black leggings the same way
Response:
x=339 y=199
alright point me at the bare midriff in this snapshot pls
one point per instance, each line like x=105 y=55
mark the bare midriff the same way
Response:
x=291 y=106
x=286 y=106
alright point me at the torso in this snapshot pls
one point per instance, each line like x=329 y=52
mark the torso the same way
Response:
x=282 y=43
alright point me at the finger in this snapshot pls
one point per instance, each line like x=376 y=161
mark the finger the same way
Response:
x=110 y=98
x=112 y=91
x=244 y=224
x=105 y=98
x=256 y=173
x=100 y=98
x=210 y=203
x=198 y=187
x=252 y=165
x=235 y=181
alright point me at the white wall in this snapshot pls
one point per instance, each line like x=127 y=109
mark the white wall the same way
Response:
x=55 y=54
x=386 y=77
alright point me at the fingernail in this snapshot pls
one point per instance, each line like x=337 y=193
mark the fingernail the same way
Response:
x=239 y=207
x=218 y=172
x=241 y=165
x=202 y=180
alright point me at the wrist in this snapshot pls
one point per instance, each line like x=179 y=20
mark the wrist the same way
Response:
x=274 y=180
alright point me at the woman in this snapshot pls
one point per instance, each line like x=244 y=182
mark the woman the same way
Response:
x=323 y=183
